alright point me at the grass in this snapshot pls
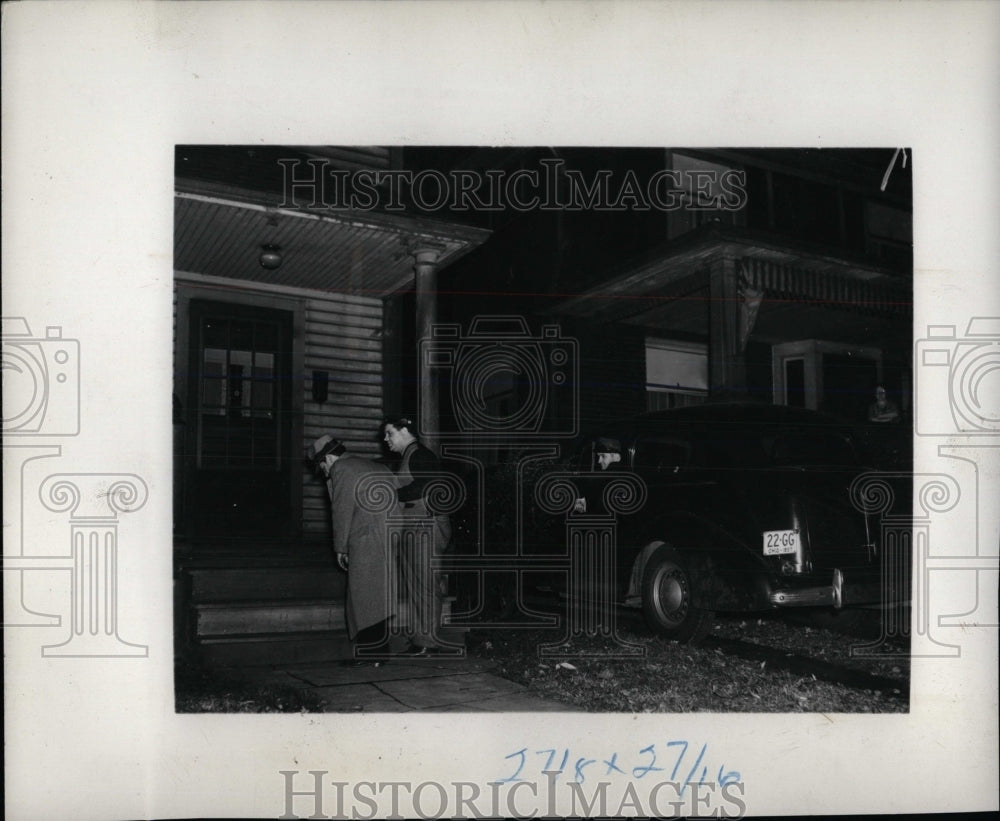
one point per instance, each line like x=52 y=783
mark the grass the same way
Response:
x=199 y=690
x=672 y=677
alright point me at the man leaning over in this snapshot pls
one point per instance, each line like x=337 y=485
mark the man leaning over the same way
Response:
x=360 y=545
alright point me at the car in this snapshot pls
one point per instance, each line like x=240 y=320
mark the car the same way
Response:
x=748 y=508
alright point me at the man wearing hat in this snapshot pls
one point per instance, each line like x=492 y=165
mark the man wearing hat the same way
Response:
x=609 y=457
x=359 y=543
x=609 y=454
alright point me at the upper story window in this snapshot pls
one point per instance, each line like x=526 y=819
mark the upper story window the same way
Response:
x=889 y=233
x=712 y=192
x=827 y=213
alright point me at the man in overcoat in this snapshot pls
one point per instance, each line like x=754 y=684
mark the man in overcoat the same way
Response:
x=360 y=544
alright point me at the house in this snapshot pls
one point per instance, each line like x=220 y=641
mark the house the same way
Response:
x=801 y=295
x=687 y=275
x=280 y=336
x=320 y=288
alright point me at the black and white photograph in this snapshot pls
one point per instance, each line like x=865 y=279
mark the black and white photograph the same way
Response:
x=500 y=409
x=646 y=414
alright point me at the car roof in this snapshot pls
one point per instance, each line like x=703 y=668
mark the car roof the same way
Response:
x=728 y=413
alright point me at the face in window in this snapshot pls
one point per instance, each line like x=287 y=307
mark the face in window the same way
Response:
x=605 y=460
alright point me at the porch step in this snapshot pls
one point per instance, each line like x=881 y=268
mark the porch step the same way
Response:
x=220 y=620
x=244 y=583
x=265 y=603
x=275 y=648
x=314 y=646
x=290 y=646
x=234 y=618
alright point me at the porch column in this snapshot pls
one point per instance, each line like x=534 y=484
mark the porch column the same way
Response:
x=727 y=373
x=425 y=256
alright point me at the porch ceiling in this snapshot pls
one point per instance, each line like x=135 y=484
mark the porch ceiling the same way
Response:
x=365 y=253
x=668 y=292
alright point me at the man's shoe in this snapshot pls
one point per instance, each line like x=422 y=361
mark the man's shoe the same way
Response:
x=416 y=651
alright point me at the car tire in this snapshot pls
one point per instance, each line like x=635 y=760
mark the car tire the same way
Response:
x=667 y=598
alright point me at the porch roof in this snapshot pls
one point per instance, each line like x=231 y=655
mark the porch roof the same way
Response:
x=806 y=293
x=221 y=230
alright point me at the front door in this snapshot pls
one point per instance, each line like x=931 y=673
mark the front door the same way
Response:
x=239 y=417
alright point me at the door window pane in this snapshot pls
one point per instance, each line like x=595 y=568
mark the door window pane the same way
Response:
x=239 y=401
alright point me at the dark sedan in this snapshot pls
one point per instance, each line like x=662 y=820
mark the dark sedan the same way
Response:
x=748 y=508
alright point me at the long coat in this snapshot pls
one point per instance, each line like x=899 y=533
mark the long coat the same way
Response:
x=362 y=535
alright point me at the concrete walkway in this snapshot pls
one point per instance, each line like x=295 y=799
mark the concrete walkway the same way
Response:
x=407 y=685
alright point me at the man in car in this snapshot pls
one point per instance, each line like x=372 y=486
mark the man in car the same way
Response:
x=609 y=454
x=609 y=458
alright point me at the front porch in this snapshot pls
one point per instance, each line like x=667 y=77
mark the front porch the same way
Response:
x=241 y=602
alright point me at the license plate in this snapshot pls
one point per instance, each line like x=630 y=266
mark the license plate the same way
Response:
x=780 y=542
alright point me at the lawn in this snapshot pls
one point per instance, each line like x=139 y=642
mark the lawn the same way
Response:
x=666 y=677
x=200 y=690
x=683 y=678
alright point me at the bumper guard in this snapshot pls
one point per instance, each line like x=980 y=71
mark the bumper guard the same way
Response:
x=831 y=595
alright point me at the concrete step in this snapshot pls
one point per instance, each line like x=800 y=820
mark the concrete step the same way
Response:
x=234 y=618
x=275 y=648
x=238 y=618
x=244 y=583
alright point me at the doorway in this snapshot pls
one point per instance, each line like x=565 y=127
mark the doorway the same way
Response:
x=833 y=377
x=239 y=434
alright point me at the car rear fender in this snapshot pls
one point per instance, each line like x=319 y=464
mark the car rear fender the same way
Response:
x=718 y=562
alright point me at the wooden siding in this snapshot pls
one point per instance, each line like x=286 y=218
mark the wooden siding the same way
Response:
x=343 y=338
x=342 y=335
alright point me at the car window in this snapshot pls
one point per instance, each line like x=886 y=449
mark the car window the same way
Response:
x=584 y=458
x=812 y=448
x=662 y=454
x=729 y=447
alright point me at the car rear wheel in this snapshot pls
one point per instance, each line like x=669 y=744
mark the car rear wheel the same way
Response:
x=667 y=598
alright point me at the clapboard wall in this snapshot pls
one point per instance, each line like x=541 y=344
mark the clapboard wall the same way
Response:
x=343 y=337
x=339 y=334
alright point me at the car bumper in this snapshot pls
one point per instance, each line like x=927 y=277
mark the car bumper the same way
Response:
x=838 y=593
